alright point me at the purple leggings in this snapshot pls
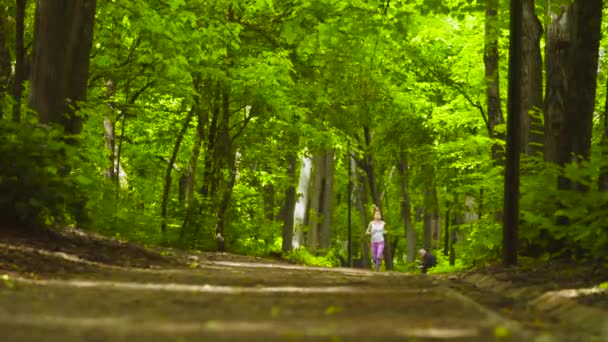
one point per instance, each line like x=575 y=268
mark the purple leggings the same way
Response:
x=377 y=250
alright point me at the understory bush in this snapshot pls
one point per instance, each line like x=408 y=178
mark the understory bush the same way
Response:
x=41 y=182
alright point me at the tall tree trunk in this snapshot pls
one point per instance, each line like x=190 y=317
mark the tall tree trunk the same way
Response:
x=491 y=62
x=63 y=36
x=202 y=117
x=511 y=186
x=406 y=211
x=603 y=180
x=361 y=203
x=301 y=207
x=109 y=126
x=446 y=234
x=167 y=186
x=290 y=199
x=430 y=207
x=585 y=33
x=118 y=156
x=317 y=199
x=209 y=175
x=19 y=60
x=327 y=204
x=5 y=57
x=532 y=81
x=228 y=156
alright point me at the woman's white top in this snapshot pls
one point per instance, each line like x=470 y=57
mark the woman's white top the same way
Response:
x=377 y=230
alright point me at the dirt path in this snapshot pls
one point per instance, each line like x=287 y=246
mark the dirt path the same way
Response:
x=115 y=292
x=248 y=301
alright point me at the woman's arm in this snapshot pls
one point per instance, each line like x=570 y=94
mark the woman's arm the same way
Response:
x=369 y=229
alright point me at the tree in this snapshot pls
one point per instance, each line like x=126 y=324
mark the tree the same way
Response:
x=532 y=77
x=491 y=61
x=511 y=194
x=19 y=60
x=59 y=76
x=571 y=58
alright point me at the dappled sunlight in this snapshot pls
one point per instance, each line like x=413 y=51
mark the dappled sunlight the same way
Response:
x=207 y=288
x=59 y=255
x=569 y=294
x=440 y=333
x=304 y=328
x=358 y=272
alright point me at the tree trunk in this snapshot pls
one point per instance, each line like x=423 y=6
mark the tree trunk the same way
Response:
x=406 y=211
x=585 y=33
x=327 y=203
x=532 y=78
x=491 y=61
x=316 y=201
x=202 y=117
x=511 y=186
x=5 y=58
x=301 y=207
x=109 y=127
x=19 y=61
x=446 y=234
x=209 y=175
x=430 y=207
x=59 y=75
x=290 y=200
x=167 y=186
x=228 y=156
x=361 y=202
x=118 y=156
x=603 y=180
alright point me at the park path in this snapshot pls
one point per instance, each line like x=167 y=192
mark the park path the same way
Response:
x=228 y=300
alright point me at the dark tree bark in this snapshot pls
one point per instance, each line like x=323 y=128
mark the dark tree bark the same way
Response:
x=585 y=30
x=326 y=205
x=226 y=154
x=491 y=62
x=202 y=118
x=209 y=174
x=603 y=180
x=446 y=234
x=430 y=207
x=290 y=200
x=63 y=35
x=317 y=197
x=5 y=58
x=511 y=188
x=406 y=207
x=572 y=59
x=532 y=81
x=19 y=61
x=167 y=183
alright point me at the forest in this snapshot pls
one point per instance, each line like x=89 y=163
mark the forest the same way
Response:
x=275 y=127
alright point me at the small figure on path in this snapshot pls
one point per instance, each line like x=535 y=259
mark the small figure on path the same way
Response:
x=428 y=260
x=377 y=231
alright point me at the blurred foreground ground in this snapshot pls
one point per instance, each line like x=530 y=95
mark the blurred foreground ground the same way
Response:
x=78 y=287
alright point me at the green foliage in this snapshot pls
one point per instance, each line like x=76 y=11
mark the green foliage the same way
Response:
x=41 y=178
x=574 y=217
x=443 y=264
x=303 y=256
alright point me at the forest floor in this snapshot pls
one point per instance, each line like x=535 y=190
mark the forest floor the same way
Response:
x=73 y=286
